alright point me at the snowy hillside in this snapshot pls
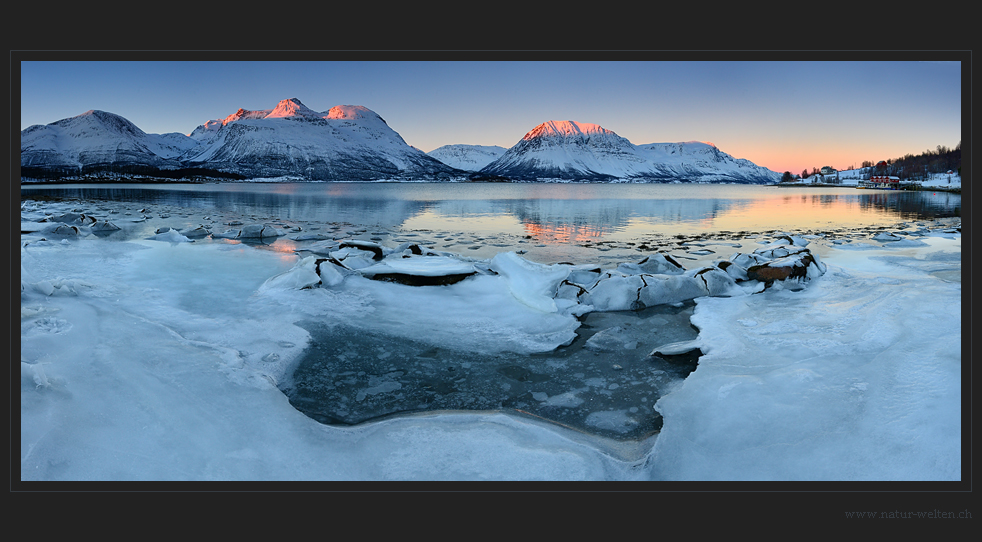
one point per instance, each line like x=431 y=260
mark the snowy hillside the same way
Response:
x=97 y=138
x=569 y=150
x=352 y=143
x=345 y=143
x=467 y=157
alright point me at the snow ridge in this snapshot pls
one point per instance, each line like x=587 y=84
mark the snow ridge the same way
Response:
x=565 y=128
x=345 y=143
x=575 y=151
x=353 y=143
x=467 y=157
x=98 y=137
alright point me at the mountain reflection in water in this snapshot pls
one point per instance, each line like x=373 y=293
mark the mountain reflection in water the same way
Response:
x=552 y=213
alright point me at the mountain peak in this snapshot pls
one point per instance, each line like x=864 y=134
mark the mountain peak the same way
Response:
x=245 y=114
x=110 y=121
x=351 y=112
x=565 y=128
x=710 y=143
x=579 y=151
x=291 y=107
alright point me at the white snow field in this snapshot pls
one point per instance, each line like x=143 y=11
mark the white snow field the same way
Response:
x=159 y=359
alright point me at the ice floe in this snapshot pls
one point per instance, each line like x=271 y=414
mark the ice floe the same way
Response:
x=147 y=360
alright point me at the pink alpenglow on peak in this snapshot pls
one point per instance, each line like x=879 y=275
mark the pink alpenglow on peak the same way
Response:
x=292 y=108
x=565 y=128
x=245 y=114
x=351 y=112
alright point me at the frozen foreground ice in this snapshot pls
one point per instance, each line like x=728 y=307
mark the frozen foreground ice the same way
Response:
x=163 y=357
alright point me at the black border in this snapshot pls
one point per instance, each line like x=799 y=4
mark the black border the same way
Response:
x=645 y=506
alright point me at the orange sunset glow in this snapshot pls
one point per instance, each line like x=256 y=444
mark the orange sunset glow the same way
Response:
x=563 y=233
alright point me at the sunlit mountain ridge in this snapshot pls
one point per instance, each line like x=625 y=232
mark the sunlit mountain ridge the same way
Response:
x=292 y=142
x=573 y=151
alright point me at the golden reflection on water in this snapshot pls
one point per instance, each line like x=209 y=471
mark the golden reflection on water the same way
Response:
x=780 y=211
x=563 y=233
x=284 y=248
x=795 y=212
x=818 y=212
x=813 y=211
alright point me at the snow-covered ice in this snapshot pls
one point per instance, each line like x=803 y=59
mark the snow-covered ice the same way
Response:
x=151 y=360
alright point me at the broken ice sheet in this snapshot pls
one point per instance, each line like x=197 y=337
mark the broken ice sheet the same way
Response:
x=350 y=375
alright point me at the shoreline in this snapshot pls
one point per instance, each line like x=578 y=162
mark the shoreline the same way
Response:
x=696 y=248
x=953 y=189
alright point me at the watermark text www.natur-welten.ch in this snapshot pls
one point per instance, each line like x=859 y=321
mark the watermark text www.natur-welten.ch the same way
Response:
x=900 y=514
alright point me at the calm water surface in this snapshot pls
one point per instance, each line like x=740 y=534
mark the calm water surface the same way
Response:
x=573 y=211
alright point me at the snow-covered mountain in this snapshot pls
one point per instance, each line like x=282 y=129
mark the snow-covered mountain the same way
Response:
x=467 y=157
x=572 y=151
x=347 y=142
x=97 y=140
x=353 y=143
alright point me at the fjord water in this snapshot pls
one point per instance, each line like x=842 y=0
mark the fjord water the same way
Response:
x=350 y=377
x=555 y=213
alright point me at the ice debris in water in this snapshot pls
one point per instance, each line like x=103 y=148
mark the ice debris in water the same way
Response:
x=172 y=236
x=557 y=288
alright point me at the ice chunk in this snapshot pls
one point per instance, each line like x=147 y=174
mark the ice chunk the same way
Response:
x=104 y=226
x=196 y=232
x=615 y=292
x=771 y=252
x=353 y=258
x=75 y=219
x=676 y=348
x=747 y=260
x=366 y=246
x=171 y=236
x=661 y=289
x=227 y=234
x=420 y=270
x=886 y=237
x=310 y=237
x=584 y=274
x=309 y=272
x=718 y=281
x=259 y=231
x=330 y=274
x=45 y=287
x=32 y=226
x=62 y=230
x=655 y=264
x=531 y=283
x=611 y=340
x=303 y=275
x=798 y=241
x=736 y=271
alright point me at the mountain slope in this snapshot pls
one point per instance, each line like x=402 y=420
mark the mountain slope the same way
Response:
x=95 y=140
x=353 y=143
x=574 y=151
x=345 y=143
x=467 y=157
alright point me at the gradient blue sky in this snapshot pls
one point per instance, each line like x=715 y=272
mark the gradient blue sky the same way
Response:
x=784 y=115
